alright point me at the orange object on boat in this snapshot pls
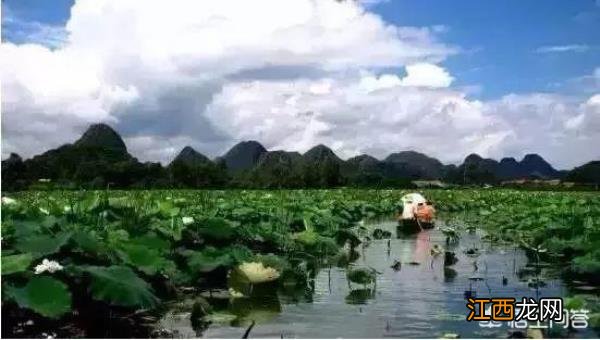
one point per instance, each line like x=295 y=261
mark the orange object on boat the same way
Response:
x=425 y=212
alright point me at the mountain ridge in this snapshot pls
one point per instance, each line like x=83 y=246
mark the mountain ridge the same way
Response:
x=189 y=156
x=101 y=153
x=243 y=156
x=101 y=135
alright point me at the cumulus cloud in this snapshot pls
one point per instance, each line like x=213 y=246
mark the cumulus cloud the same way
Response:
x=378 y=115
x=588 y=121
x=551 y=125
x=423 y=74
x=354 y=118
x=290 y=74
x=151 y=68
x=417 y=75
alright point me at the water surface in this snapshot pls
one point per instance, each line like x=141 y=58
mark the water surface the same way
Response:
x=422 y=299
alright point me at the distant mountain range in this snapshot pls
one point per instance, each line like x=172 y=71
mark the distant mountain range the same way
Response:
x=100 y=157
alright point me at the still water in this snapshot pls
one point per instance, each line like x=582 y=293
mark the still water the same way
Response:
x=422 y=299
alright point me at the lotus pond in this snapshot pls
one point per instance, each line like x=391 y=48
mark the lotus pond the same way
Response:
x=301 y=263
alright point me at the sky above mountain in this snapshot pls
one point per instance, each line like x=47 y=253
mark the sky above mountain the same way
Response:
x=447 y=78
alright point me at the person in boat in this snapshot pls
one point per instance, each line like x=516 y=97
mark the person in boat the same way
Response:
x=425 y=212
x=417 y=213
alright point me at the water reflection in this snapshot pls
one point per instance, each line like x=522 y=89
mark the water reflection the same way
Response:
x=449 y=274
x=347 y=256
x=425 y=299
x=360 y=296
x=259 y=309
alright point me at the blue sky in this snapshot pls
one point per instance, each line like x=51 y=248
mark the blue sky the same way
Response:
x=447 y=78
x=54 y=12
x=33 y=21
x=501 y=40
x=507 y=46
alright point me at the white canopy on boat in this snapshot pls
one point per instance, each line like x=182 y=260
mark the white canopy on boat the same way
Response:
x=413 y=198
x=409 y=203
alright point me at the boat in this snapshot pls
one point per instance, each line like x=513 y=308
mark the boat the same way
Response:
x=417 y=214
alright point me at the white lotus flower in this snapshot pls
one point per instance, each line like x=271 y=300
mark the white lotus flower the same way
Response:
x=67 y=208
x=44 y=211
x=256 y=272
x=187 y=220
x=44 y=180
x=8 y=201
x=48 y=266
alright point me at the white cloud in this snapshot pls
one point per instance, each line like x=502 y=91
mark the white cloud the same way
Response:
x=574 y=123
x=417 y=75
x=588 y=121
x=151 y=68
x=290 y=74
x=362 y=114
x=197 y=36
x=356 y=117
x=563 y=48
x=552 y=125
x=429 y=75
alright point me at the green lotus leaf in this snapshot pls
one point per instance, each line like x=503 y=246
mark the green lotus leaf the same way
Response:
x=143 y=258
x=574 y=302
x=151 y=240
x=216 y=228
x=16 y=263
x=273 y=261
x=168 y=209
x=119 y=285
x=41 y=245
x=308 y=237
x=88 y=242
x=44 y=295
x=208 y=260
x=25 y=228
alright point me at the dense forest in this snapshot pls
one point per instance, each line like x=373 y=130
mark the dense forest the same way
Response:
x=99 y=159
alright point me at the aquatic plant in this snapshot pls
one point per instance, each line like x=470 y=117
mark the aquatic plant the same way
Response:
x=450 y=233
x=361 y=275
x=436 y=250
x=379 y=234
x=123 y=252
x=472 y=252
